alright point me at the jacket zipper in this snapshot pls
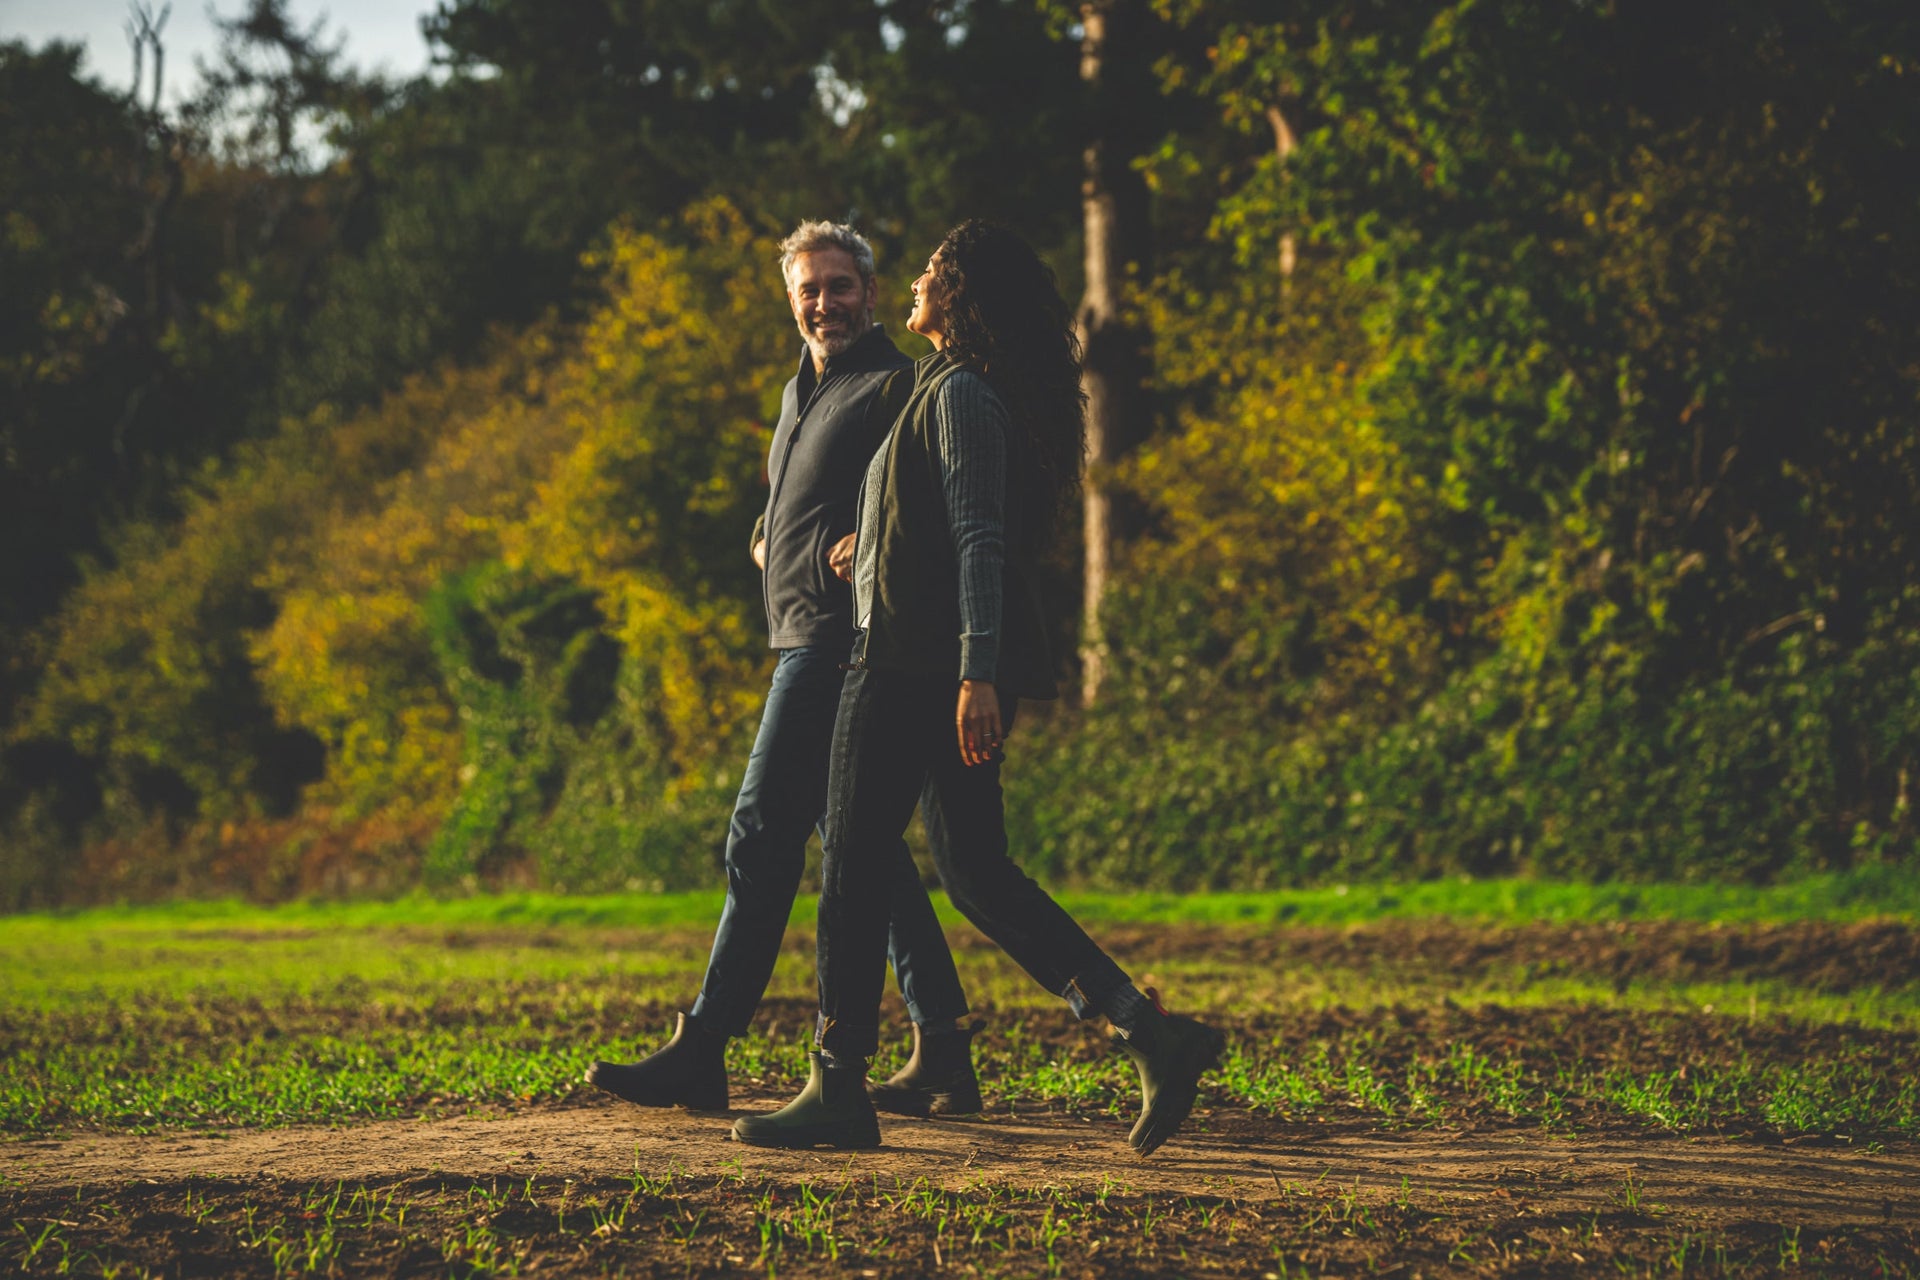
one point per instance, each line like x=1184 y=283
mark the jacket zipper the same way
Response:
x=786 y=457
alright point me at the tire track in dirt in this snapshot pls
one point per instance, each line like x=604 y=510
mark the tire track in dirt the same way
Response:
x=1706 y=1179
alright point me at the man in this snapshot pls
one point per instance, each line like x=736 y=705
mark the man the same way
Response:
x=834 y=414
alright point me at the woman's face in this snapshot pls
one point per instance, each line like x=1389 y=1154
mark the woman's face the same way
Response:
x=929 y=315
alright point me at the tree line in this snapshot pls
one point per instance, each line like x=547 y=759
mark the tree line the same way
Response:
x=1504 y=433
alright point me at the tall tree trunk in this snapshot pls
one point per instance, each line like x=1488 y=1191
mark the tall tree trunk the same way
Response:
x=1115 y=63
x=162 y=178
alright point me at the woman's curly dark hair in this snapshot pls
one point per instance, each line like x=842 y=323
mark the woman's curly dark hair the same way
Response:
x=1006 y=320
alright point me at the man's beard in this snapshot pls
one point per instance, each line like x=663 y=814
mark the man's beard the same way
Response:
x=828 y=345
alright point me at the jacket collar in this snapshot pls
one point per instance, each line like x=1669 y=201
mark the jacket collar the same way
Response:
x=874 y=350
x=931 y=365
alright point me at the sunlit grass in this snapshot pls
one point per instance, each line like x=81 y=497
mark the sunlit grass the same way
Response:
x=1205 y=988
x=213 y=1015
x=1868 y=893
x=422 y=942
x=84 y=962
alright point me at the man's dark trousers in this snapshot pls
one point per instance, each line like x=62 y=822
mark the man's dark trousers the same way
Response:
x=782 y=799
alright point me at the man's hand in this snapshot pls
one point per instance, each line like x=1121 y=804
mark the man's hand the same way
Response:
x=760 y=554
x=978 y=719
x=840 y=558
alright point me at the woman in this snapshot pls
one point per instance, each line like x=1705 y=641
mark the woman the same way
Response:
x=955 y=505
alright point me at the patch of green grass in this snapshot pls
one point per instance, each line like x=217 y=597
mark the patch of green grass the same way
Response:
x=1844 y=1095
x=88 y=960
x=203 y=1063
x=1201 y=989
x=222 y=1015
x=652 y=941
x=80 y=964
x=266 y=1082
x=1867 y=893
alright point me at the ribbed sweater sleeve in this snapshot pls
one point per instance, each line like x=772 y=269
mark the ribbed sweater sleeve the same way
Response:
x=970 y=448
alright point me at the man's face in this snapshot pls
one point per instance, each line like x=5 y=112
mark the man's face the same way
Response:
x=832 y=306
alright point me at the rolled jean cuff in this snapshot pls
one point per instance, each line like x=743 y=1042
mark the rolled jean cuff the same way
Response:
x=706 y=1015
x=1087 y=995
x=844 y=1041
x=937 y=1014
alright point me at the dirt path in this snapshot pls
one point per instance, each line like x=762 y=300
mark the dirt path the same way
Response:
x=1705 y=1179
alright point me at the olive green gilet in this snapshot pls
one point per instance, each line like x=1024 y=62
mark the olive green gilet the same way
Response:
x=915 y=621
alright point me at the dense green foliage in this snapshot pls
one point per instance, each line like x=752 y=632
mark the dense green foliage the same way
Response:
x=385 y=505
x=1562 y=521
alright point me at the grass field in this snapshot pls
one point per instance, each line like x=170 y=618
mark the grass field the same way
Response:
x=152 y=1055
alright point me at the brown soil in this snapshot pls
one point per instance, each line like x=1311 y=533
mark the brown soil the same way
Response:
x=1809 y=955
x=1818 y=1184
x=1235 y=1195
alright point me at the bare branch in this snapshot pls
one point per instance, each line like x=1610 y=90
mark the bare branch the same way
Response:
x=1778 y=625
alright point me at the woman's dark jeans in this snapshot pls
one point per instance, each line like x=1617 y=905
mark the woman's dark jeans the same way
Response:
x=782 y=798
x=894 y=739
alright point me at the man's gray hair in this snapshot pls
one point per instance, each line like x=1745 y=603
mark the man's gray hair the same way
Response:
x=812 y=237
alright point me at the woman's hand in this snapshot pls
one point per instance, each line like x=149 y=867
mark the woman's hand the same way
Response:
x=840 y=558
x=978 y=719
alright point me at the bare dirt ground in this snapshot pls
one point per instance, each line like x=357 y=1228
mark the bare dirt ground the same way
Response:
x=599 y=1190
x=1815 y=955
x=1707 y=1179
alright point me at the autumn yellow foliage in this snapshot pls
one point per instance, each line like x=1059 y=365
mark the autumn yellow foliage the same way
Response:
x=1291 y=521
x=622 y=453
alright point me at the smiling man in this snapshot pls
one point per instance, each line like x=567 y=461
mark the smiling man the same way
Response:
x=840 y=405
